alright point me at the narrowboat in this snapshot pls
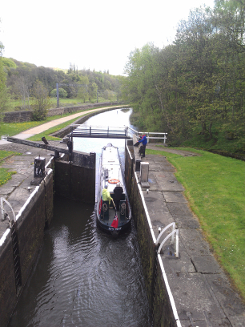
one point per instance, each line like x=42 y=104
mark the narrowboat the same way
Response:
x=113 y=212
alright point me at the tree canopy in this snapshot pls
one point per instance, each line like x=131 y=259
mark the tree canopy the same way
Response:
x=4 y=96
x=195 y=85
x=22 y=76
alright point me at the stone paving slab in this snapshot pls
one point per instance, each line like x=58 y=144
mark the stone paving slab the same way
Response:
x=206 y=264
x=205 y=323
x=15 y=191
x=21 y=194
x=194 y=297
x=157 y=209
x=175 y=197
x=227 y=297
x=194 y=243
x=176 y=266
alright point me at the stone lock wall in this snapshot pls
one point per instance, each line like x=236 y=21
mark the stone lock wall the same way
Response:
x=8 y=296
x=30 y=224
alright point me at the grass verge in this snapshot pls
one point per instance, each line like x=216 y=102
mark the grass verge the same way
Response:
x=5 y=174
x=49 y=131
x=11 y=129
x=215 y=188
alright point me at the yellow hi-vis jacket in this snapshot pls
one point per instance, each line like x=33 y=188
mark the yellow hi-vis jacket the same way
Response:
x=106 y=195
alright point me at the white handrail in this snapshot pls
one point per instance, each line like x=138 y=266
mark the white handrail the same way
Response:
x=152 y=133
x=2 y=209
x=167 y=227
x=137 y=132
x=175 y=232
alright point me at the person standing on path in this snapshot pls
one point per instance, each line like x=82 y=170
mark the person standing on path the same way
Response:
x=143 y=140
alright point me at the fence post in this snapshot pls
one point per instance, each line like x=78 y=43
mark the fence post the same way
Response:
x=57 y=95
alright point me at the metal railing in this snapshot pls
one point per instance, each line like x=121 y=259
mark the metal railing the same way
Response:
x=164 y=137
x=100 y=132
x=113 y=132
x=4 y=214
x=174 y=233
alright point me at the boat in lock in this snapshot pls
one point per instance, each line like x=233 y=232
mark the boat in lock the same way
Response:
x=113 y=212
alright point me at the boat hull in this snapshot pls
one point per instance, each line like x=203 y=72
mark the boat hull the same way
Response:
x=110 y=173
x=111 y=230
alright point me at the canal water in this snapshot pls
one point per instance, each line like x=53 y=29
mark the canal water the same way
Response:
x=84 y=277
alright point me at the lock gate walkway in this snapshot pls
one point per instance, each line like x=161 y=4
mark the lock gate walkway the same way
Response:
x=92 y=132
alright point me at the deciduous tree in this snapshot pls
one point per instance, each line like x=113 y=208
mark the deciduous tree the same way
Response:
x=41 y=101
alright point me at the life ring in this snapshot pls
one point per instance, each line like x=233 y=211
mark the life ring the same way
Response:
x=113 y=181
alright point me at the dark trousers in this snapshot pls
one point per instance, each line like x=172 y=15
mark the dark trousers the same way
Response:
x=142 y=150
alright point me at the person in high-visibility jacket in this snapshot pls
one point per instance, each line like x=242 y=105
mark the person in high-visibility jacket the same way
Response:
x=106 y=196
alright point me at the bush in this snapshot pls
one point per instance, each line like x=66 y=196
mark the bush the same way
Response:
x=41 y=101
x=62 y=93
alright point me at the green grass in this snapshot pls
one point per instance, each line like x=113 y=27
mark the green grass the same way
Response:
x=5 y=174
x=54 y=129
x=63 y=102
x=215 y=188
x=11 y=129
x=219 y=142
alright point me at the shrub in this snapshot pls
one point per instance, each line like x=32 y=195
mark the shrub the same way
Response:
x=41 y=102
x=62 y=93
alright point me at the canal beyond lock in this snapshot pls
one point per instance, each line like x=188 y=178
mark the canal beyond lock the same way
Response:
x=85 y=277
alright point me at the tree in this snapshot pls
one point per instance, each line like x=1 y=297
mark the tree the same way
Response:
x=21 y=89
x=83 y=88
x=92 y=90
x=41 y=101
x=83 y=93
x=4 y=96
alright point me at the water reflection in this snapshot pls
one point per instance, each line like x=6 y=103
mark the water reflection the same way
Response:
x=114 y=118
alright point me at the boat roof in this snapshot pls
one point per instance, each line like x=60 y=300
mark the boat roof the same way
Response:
x=111 y=162
x=110 y=156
